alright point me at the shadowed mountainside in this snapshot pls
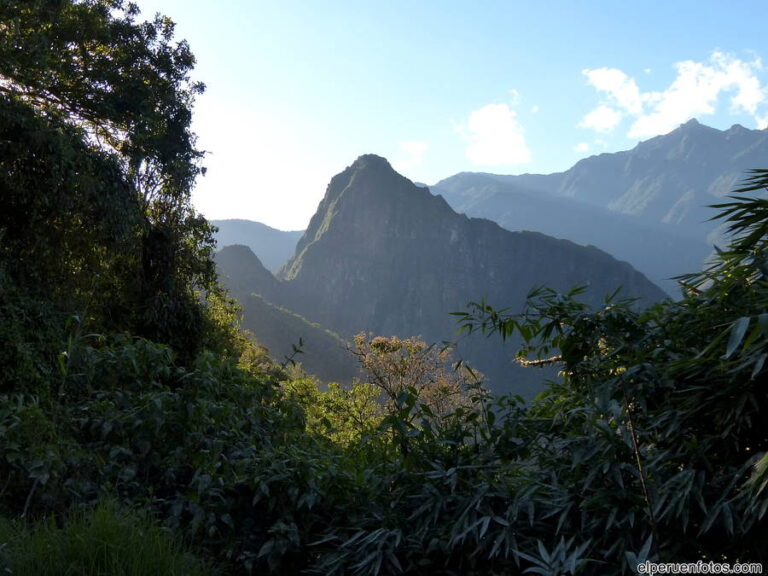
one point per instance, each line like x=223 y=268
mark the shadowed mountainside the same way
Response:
x=648 y=205
x=323 y=353
x=383 y=255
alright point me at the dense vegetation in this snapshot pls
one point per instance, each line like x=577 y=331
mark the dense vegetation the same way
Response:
x=132 y=411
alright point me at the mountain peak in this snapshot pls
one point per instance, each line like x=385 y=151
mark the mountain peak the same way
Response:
x=383 y=255
x=244 y=271
x=367 y=196
x=737 y=129
x=694 y=127
x=370 y=161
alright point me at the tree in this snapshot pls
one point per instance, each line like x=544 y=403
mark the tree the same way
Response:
x=658 y=434
x=67 y=214
x=400 y=366
x=424 y=392
x=124 y=82
x=345 y=415
x=97 y=110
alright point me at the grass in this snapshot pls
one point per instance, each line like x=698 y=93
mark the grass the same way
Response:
x=105 y=541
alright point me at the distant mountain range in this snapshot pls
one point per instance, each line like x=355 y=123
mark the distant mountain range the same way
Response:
x=383 y=255
x=648 y=205
x=273 y=247
x=386 y=256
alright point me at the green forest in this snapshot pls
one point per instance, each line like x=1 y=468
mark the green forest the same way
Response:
x=141 y=432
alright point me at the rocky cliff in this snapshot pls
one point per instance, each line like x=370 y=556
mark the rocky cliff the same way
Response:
x=386 y=256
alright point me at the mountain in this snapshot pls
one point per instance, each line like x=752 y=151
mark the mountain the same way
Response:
x=324 y=353
x=648 y=205
x=273 y=247
x=661 y=252
x=670 y=179
x=244 y=273
x=383 y=255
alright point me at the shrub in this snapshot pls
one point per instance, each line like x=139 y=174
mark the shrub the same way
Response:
x=106 y=540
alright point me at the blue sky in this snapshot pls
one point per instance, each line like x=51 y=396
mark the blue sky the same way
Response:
x=297 y=90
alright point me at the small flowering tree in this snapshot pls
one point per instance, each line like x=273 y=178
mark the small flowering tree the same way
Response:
x=401 y=366
x=423 y=389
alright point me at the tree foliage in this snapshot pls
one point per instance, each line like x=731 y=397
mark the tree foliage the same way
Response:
x=98 y=162
x=398 y=366
x=658 y=428
x=348 y=416
x=121 y=375
x=125 y=83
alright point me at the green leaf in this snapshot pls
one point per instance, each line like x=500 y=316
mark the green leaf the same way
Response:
x=738 y=330
x=759 y=363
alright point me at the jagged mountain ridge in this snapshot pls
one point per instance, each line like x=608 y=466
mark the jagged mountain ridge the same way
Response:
x=670 y=178
x=385 y=256
x=648 y=205
x=376 y=231
x=660 y=252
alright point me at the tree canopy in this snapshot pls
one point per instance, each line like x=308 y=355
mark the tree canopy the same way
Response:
x=99 y=161
x=122 y=378
x=125 y=83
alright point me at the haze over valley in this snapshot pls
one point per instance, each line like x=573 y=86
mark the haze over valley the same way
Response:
x=240 y=335
x=384 y=256
x=379 y=257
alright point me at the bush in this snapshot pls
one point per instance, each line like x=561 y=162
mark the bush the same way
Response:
x=103 y=541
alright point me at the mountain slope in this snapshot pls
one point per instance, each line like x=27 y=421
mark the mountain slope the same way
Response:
x=243 y=273
x=324 y=353
x=273 y=247
x=386 y=256
x=670 y=178
x=658 y=251
x=648 y=205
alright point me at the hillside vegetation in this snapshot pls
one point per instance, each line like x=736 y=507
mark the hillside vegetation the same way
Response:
x=383 y=255
x=139 y=430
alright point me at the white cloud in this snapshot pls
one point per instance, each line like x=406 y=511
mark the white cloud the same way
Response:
x=535 y=109
x=581 y=147
x=696 y=91
x=602 y=119
x=495 y=137
x=620 y=88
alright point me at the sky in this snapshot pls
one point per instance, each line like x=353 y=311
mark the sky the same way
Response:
x=297 y=90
